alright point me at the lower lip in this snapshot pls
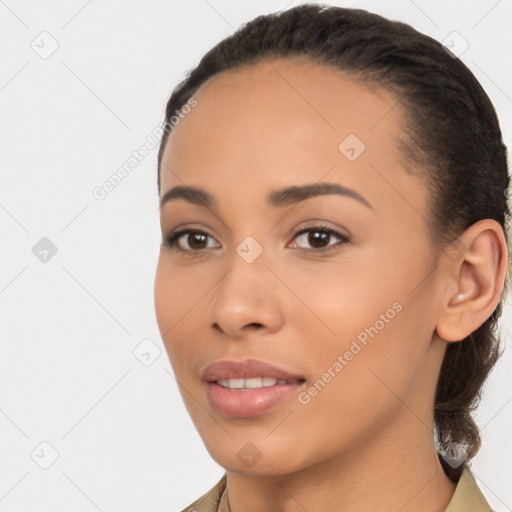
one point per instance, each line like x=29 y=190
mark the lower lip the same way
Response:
x=251 y=402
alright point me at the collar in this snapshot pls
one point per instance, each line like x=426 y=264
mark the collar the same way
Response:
x=467 y=497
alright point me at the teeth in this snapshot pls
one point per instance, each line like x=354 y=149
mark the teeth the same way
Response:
x=236 y=383
x=251 y=383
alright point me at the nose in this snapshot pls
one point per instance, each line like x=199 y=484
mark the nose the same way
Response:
x=246 y=299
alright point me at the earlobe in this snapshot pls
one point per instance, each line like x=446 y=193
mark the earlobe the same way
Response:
x=478 y=277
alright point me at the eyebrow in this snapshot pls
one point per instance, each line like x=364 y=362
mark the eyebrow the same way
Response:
x=277 y=198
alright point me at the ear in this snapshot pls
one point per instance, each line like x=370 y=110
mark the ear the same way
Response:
x=475 y=266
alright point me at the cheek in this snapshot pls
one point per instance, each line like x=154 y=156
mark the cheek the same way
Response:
x=359 y=325
x=334 y=301
x=178 y=291
x=355 y=385
x=175 y=296
x=165 y=299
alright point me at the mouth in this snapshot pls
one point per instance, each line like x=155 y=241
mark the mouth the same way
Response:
x=248 y=388
x=248 y=372
x=255 y=383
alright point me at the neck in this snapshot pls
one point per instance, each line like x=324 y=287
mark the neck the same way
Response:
x=392 y=473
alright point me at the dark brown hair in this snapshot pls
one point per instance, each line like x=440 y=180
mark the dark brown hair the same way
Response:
x=452 y=137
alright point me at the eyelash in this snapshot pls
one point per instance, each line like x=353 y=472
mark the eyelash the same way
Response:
x=171 y=240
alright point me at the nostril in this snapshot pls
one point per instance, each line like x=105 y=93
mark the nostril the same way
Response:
x=255 y=324
x=252 y=325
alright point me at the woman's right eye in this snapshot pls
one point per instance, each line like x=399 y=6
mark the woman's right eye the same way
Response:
x=194 y=241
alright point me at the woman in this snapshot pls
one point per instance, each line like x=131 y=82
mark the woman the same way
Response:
x=333 y=263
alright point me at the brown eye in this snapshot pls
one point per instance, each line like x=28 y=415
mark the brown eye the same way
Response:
x=189 y=240
x=319 y=238
x=196 y=240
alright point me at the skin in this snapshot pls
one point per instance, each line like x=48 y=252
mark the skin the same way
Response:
x=365 y=442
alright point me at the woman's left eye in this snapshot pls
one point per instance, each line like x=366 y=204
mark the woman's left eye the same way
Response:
x=319 y=238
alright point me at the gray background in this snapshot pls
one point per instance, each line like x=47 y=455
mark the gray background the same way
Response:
x=73 y=373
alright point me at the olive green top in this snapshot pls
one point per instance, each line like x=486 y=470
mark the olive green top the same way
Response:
x=467 y=497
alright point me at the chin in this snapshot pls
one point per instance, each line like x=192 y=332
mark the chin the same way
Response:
x=258 y=457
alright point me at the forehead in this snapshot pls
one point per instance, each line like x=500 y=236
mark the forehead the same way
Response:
x=281 y=120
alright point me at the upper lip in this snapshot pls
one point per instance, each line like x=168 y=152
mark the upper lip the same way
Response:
x=228 y=369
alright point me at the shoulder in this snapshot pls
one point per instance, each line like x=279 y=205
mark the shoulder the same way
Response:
x=209 y=502
x=468 y=497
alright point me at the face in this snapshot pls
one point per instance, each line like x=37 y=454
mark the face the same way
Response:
x=336 y=289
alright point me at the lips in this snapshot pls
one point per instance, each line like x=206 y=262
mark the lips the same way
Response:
x=247 y=369
x=248 y=388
